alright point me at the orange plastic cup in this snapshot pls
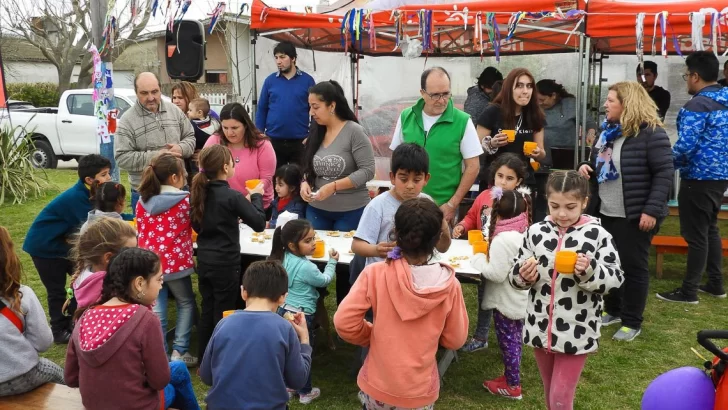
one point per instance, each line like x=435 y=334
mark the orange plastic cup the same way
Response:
x=535 y=165
x=511 y=134
x=565 y=262
x=194 y=236
x=133 y=223
x=227 y=313
x=252 y=183
x=529 y=147
x=480 y=247
x=320 y=250
x=474 y=236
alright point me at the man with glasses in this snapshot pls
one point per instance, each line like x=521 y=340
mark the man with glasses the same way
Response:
x=449 y=137
x=701 y=155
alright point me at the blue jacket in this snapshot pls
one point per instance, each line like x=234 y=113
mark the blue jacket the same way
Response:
x=295 y=206
x=48 y=235
x=283 y=106
x=702 y=126
x=303 y=279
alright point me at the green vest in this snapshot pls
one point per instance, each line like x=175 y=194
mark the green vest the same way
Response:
x=442 y=144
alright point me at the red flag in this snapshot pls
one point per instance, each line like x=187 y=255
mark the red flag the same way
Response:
x=3 y=93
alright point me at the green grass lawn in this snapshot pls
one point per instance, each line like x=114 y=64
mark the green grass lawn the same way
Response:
x=614 y=378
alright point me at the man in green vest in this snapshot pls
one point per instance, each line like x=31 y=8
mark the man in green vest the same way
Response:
x=449 y=137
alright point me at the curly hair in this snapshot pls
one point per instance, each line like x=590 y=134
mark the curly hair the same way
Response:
x=417 y=226
x=10 y=271
x=638 y=108
x=510 y=205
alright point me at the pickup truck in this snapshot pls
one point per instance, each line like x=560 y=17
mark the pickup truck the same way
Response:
x=69 y=131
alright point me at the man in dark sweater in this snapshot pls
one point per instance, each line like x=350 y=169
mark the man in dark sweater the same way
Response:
x=47 y=238
x=282 y=112
x=659 y=95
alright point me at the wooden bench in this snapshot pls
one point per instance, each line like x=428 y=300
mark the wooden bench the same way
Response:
x=674 y=245
x=49 y=396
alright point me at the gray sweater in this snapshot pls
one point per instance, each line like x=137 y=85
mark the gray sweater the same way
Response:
x=141 y=134
x=19 y=351
x=349 y=155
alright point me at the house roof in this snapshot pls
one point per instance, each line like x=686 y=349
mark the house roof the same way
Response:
x=19 y=49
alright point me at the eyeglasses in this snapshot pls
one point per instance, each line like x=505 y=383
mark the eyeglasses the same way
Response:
x=438 y=96
x=686 y=76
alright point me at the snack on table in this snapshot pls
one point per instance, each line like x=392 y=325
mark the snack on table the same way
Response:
x=289 y=316
x=267 y=237
x=455 y=259
x=349 y=234
x=455 y=264
x=333 y=233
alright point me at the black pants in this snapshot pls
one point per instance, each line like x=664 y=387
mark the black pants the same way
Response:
x=699 y=203
x=288 y=151
x=220 y=288
x=53 y=273
x=628 y=302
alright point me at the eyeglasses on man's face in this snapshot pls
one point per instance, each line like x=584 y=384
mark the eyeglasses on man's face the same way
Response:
x=438 y=96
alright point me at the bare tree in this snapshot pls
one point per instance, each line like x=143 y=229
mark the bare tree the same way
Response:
x=233 y=32
x=61 y=30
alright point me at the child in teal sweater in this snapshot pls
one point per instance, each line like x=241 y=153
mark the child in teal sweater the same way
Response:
x=291 y=245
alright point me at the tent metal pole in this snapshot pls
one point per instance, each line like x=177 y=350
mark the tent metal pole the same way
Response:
x=579 y=97
x=354 y=97
x=253 y=41
x=285 y=30
x=585 y=101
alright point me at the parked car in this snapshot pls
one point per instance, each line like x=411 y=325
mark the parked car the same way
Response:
x=68 y=131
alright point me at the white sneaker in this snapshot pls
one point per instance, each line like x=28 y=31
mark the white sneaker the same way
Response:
x=308 y=398
x=175 y=356
x=190 y=361
x=291 y=393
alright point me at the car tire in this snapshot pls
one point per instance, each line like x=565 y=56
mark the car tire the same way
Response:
x=42 y=155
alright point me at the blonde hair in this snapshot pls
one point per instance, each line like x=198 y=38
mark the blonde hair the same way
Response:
x=637 y=107
x=102 y=236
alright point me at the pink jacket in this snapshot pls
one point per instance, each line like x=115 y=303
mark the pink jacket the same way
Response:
x=410 y=322
x=472 y=220
x=88 y=292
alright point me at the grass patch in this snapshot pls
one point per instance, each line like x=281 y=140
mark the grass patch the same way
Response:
x=614 y=378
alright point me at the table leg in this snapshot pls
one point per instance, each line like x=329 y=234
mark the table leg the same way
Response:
x=447 y=358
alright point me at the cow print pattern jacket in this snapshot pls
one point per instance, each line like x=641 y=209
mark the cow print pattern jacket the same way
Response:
x=564 y=310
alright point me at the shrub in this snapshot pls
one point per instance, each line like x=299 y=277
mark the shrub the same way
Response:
x=40 y=94
x=18 y=178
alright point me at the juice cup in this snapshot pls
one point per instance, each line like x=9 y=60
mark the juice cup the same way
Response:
x=320 y=250
x=535 y=165
x=480 y=247
x=474 y=236
x=528 y=147
x=565 y=262
x=252 y=183
x=511 y=134
x=227 y=313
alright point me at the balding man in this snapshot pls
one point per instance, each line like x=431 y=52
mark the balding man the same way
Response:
x=152 y=126
x=449 y=137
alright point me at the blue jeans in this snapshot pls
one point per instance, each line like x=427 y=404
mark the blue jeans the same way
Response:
x=134 y=199
x=179 y=391
x=311 y=336
x=334 y=221
x=185 y=297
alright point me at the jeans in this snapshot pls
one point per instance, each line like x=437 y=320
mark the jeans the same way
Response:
x=312 y=340
x=699 y=203
x=220 y=288
x=633 y=245
x=288 y=151
x=185 y=297
x=179 y=393
x=134 y=199
x=53 y=273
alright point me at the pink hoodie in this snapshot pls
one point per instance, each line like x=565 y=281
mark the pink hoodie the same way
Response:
x=414 y=313
x=88 y=292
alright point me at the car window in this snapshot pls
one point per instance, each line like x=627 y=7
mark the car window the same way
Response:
x=122 y=105
x=80 y=104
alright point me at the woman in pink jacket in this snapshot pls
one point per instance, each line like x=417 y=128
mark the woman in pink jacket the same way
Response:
x=417 y=305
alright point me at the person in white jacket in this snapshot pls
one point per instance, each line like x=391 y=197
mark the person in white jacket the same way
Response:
x=512 y=216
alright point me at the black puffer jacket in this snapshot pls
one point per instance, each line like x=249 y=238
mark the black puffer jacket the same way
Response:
x=646 y=173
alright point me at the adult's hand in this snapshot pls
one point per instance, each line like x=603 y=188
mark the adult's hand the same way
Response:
x=174 y=149
x=536 y=153
x=647 y=223
x=448 y=211
x=590 y=136
x=325 y=192
x=306 y=192
x=499 y=140
x=585 y=171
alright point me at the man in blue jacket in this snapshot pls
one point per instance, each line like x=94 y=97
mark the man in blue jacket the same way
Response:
x=48 y=236
x=282 y=112
x=701 y=155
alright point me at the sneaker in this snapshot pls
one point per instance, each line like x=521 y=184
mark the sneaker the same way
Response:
x=474 y=345
x=190 y=361
x=62 y=338
x=291 y=393
x=626 y=334
x=608 y=319
x=720 y=293
x=677 y=295
x=311 y=396
x=499 y=387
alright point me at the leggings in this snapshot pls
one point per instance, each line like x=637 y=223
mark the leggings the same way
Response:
x=560 y=373
x=510 y=340
x=179 y=391
x=44 y=372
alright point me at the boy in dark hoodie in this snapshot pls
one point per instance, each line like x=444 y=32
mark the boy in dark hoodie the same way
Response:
x=47 y=239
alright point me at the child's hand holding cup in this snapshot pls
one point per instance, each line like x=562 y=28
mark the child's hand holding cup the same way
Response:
x=333 y=254
x=565 y=262
x=529 y=270
x=255 y=186
x=582 y=263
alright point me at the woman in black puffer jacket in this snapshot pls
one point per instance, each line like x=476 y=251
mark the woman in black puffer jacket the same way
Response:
x=631 y=173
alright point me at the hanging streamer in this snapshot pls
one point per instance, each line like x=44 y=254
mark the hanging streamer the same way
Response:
x=242 y=9
x=640 y=33
x=398 y=18
x=714 y=31
x=155 y=5
x=103 y=98
x=425 y=29
x=217 y=13
x=478 y=32
x=182 y=8
x=661 y=19
x=370 y=28
x=513 y=23
x=494 y=34
x=698 y=22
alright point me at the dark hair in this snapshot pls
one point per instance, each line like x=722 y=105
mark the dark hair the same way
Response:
x=550 y=87
x=290 y=174
x=235 y=111
x=497 y=87
x=201 y=104
x=725 y=65
x=489 y=76
x=329 y=92
x=532 y=113
x=648 y=65
x=107 y=195
x=511 y=204
x=90 y=165
x=287 y=48
x=162 y=167
x=212 y=161
x=426 y=74
x=510 y=160
x=10 y=272
x=568 y=181
x=411 y=158
x=187 y=90
x=705 y=64
x=292 y=232
x=417 y=226
x=265 y=279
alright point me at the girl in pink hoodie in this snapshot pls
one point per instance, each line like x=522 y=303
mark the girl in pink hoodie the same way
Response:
x=418 y=305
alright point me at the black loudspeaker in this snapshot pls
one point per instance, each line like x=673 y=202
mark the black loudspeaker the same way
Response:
x=185 y=47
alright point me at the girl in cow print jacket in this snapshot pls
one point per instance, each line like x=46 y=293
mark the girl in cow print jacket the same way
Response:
x=564 y=310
